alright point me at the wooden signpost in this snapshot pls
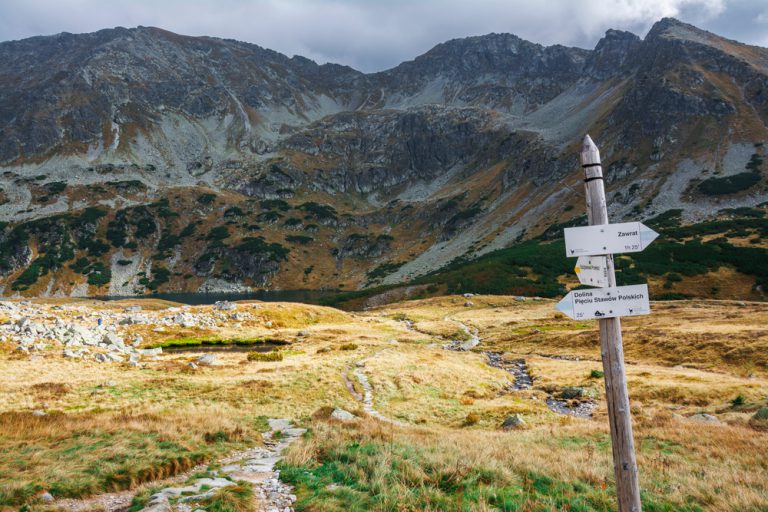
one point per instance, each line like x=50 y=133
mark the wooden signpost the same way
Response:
x=600 y=241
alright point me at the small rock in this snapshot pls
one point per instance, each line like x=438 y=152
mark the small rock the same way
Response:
x=38 y=413
x=46 y=497
x=513 y=422
x=208 y=359
x=342 y=415
x=572 y=393
x=469 y=304
x=704 y=418
x=302 y=334
x=193 y=366
x=224 y=305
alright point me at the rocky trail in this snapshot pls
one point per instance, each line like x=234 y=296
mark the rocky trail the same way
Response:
x=517 y=367
x=570 y=401
x=367 y=399
x=255 y=465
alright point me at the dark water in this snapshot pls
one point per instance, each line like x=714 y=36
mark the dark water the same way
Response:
x=196 y=299
x=231 y=347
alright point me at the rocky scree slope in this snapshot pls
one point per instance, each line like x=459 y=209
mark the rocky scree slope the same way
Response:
x=136 y=160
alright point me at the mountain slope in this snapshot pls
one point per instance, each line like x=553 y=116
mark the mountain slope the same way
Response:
x=137 y=159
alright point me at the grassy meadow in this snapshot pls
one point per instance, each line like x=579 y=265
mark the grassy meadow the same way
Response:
x=110 y=427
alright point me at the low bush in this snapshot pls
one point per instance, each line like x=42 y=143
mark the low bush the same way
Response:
x=265 y=356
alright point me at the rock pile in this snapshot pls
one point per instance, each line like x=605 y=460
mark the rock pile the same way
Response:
x=96 y=342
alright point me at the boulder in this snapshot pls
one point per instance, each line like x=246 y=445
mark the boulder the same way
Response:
x=342 y=415
x=46 y=497
x=513 y=422
x=113 y=339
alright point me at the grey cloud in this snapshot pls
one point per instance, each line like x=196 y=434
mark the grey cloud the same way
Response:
x=377 y=34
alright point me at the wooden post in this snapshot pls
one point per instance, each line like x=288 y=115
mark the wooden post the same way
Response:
x=612 y=351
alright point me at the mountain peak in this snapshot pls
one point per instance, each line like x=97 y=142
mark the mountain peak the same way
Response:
x=672 y=28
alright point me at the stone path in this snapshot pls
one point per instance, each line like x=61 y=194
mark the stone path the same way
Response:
x=255 y=465
x=368 y=406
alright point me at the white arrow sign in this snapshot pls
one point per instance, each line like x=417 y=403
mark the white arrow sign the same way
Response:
x=592 y=270
x=608 y=239
x=606 y=302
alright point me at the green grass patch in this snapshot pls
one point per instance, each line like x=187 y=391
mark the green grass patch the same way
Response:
x=265 y=357
x=360 y=471
x=233 y=498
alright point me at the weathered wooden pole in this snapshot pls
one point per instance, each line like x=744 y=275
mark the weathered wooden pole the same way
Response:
x=612 y=351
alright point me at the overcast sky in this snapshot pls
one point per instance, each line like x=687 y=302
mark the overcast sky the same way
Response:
x=371 y=35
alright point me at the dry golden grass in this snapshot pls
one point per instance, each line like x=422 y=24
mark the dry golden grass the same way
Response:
x=687 y=357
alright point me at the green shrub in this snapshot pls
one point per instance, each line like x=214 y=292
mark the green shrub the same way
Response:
x=596 y=374
x=233 y=211
x=729 y=184
x=218 y=233
x=299 y=239
x=100 y=278
x=265 y=356
x=206 y=198
x=384 y=269
x=275 y=204
x=348 y=346
x=81 y=265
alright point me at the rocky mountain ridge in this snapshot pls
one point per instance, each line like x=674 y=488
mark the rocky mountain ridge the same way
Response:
x=135 y=160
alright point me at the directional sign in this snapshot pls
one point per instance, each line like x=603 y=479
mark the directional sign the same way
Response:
x=608 y=239
x=592 y=270
x=606 y=302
